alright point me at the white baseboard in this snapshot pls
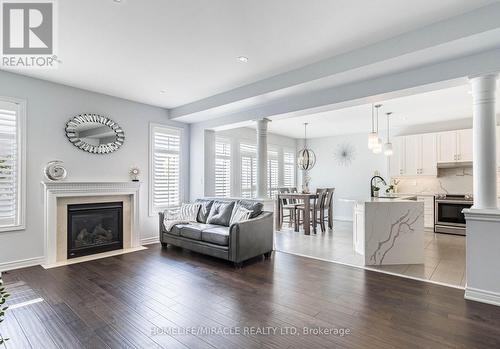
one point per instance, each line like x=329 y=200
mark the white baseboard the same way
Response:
x=482 y=296
x=151 y=240
x=22 y=263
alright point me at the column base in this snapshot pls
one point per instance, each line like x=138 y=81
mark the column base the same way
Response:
x=482 y=259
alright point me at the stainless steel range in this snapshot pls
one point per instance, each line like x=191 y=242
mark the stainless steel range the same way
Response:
x=448 y=217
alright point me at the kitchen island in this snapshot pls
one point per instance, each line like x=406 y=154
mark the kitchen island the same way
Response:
x=388 y=230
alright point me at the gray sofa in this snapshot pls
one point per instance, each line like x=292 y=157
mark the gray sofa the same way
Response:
x=236 y=243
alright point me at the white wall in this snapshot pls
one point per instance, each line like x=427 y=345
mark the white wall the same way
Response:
x=349 y=181
x=49 y=107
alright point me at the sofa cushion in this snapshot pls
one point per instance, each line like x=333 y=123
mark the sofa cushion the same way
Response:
x=204 y=211
x=218 y=236
x=175 y=230
x=189 y=212
x=254 y=206
x=220 y=213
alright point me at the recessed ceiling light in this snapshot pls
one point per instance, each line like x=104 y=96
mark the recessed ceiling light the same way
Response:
x=117 y=1
x=163 y=91
x=243 y=59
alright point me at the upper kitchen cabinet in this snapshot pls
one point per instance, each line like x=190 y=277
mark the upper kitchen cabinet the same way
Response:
x=447 y=146
x=414 y=156
x=396 y=161
x=454 y=146
x=428 y=154
x=464 y=145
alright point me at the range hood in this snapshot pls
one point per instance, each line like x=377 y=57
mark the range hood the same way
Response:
x=454 y=164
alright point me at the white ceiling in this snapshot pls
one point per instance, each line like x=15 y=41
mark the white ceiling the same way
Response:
x=425 y=108
x=135 y=49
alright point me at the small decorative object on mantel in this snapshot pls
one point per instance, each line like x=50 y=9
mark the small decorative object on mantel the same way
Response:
x=95 y=134
x=345 y=154
x=55 y=170
x=134 y=174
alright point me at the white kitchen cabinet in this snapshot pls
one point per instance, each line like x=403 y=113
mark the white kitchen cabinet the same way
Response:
x=428 y=155
x=359 y=228
x=414 y=156
x=464 y=145
x=447 y=146
x=455 y=146
x=396 y=161
x=428 y=201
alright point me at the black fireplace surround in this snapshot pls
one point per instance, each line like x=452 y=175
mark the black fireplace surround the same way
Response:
x=94 y=228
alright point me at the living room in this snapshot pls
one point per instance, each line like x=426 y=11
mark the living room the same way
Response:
x=145 y=159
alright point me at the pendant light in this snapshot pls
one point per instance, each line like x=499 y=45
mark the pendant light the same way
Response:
x=388 y=151
x=377 y=148
x=372 y=136
x=306 y=159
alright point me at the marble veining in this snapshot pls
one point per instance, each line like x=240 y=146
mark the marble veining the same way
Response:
x=394 y=232
x=403 y=225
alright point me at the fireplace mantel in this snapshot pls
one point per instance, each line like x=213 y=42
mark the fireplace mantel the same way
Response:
x=64 y=189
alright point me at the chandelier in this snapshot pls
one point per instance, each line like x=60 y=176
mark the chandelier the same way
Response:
x=306 y=159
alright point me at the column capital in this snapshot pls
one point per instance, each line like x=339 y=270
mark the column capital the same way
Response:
x=262 y=124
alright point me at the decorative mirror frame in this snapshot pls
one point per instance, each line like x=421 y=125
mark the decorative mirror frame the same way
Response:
x=72 y=125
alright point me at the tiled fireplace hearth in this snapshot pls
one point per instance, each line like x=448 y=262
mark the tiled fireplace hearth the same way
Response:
x=85 y=219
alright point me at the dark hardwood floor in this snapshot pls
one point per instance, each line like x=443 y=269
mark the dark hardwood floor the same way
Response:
x=138 y=300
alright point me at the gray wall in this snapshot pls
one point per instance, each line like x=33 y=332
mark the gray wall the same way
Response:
x=49 y=107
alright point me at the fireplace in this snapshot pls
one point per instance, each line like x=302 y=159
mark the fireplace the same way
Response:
x=94 y=228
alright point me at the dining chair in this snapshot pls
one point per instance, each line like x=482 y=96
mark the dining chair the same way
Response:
x=315 y=210
x=327 y=212
x=287 y=204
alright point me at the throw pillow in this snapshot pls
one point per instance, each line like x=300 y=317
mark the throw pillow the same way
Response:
x=254 y=206
x=220 y=213
x=206 y=205
x=240 y=214
x=189 y=212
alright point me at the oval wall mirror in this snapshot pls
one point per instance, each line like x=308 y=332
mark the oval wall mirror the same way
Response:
x=95 y=134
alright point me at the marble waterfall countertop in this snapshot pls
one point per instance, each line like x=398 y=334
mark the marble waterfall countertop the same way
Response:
x=389 y=230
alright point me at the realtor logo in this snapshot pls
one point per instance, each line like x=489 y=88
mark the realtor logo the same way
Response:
x=28 y=34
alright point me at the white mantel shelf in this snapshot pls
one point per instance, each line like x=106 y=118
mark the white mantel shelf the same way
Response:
x=52 y=190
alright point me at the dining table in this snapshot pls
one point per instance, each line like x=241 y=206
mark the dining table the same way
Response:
x=303 y=197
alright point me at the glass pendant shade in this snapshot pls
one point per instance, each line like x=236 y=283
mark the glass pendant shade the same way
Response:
x=377 y=149
x=372 y=140
x=306 y=159
x=388 y=151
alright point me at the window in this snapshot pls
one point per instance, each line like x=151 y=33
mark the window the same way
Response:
x=222 y=168
x=248 y=156
x=12 y=166
x=165 y=183
x=289 y=168
x=272 y=173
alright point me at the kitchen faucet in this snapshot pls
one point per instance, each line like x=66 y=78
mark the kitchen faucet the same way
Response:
x=371 y=183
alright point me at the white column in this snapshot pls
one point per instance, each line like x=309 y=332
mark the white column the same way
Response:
x=262 y=158
x=484 y=142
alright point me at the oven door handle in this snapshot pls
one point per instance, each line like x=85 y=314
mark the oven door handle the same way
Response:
x=454 y=202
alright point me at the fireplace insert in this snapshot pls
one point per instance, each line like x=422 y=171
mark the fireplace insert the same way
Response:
x=94 y=228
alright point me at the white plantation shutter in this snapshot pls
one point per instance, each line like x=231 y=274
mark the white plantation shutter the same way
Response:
x=11 y=214
x=166 y=171
x=289 y=168
x=272 y=173
x=248 y=155
x=222 y=168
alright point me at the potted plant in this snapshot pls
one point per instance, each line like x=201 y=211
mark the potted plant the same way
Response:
x=3 y=308
x=376 y=191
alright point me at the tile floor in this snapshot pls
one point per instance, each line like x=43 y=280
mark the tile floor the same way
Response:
x=444 y=254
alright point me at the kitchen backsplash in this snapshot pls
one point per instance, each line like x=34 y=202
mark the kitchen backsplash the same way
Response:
x=449 y=181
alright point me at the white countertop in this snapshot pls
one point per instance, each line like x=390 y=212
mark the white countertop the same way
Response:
x=395 y=199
